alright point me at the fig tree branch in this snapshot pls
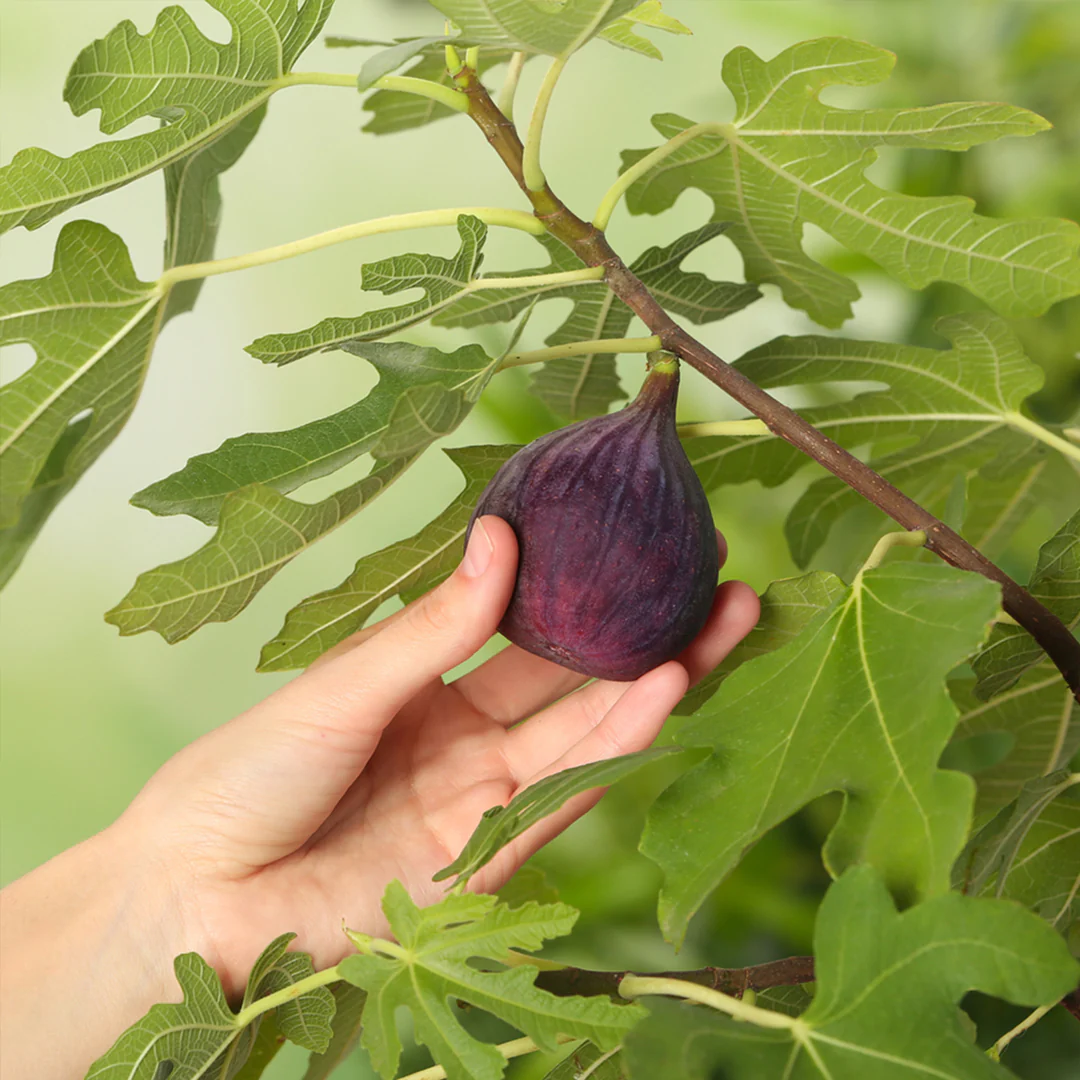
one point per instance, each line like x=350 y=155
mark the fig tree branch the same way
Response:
x=591 y=246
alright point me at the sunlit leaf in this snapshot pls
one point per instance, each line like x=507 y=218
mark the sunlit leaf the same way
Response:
x=321 y=621
x=442 y=281
x=200 y=88
x=429 y=966
x=92 y=324
x=200 y=1038
x=555 y=29
x=1011 y=650
x=886 y=1003
x=623 y=32
x=786 y=607
x=834 y=710
x=787 y=159
x=502 y=824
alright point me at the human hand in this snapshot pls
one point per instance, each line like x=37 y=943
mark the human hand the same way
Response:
x=367 y=767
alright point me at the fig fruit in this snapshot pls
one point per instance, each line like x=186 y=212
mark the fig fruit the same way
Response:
x=618 y=560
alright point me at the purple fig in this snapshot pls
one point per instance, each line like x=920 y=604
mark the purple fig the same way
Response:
x=618 y=560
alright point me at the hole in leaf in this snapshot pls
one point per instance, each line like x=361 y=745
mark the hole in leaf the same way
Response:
x=16 y=360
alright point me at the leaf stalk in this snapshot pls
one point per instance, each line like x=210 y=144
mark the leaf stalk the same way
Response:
x=580 y=348
x=510 y=85
x=635 y=986
x=289 y=993
x=534 y=175
x=406 y=84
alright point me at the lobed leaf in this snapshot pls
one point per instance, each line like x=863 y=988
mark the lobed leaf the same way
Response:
x=201 y=1038
x=787 y=606
x=1056 y=582
x=502 y=824
x=92 y=324
x=886 y=999
x=193 y=205
x=199 y=88
x=556 y=29
x=1038 y=723
x=442 y=280
x=623 y=31
x=285 y=460
x=321 y=621
x=349 y=1006
x=787 y=159
x=834 y=710
x=430 y=964
x=587 y=385
x=943 y=413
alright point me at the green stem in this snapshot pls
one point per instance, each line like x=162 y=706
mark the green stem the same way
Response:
x=289 y=993
x=315 y=78
x=1037 y=431
x=724 y=427
x=445 y=95
x=581 y=348
x=1029 y=1021
x=423 y=219
x=534 y=175
x=913 y=538
x=510 y=85
x=635 y=986
x=636 y=171
x=514 y=1048
x=582 y=276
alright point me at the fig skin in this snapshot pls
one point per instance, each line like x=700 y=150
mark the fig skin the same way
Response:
x=618 y=559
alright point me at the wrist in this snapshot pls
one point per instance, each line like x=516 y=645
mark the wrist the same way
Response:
x=88 y=941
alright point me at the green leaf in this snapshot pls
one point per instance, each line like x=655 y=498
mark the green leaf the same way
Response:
x=393 y=111
x=834 y=710
x=92 y=324
x=200 y=88
x=623 y=33
x=395 y=56
x=419 y=563
x=285 y=460
x=787 y=160
x=430 y=964
x=887 y=994
x=943 y=412
x=201 y=1038
x=786 y=607
x=1056 y=582
x=528 y=883
x=193 y=205
x=349 y=1006
x=1038 y=723
x=442 y=281
x=589 y=1061
x=555 y=29
x=991 y=855
x=265 y=1047
x=259 y=530
x=587 y=385
x=502 y=824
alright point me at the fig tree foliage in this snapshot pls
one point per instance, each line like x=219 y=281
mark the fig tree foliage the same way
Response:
x=898 y=686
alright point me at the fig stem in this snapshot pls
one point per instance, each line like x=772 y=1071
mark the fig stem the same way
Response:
x=580 y=348
x=590 y=245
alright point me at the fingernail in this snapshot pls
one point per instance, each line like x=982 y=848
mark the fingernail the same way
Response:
x=478 y=552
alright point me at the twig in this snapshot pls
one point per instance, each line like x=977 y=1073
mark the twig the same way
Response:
x=591 y=246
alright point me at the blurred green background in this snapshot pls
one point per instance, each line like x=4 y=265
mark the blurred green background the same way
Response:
x=87 y=716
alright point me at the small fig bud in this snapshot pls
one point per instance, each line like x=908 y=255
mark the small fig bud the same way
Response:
x=618 y=559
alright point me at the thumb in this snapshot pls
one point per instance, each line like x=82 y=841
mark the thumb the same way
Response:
x=283 y=765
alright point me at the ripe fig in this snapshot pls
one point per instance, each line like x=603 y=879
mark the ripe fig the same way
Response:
x=618 y=560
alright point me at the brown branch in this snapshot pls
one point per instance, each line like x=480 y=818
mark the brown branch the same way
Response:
x=567 y=982
x=591 y=246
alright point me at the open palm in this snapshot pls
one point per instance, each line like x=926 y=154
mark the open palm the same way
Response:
x=367 y=768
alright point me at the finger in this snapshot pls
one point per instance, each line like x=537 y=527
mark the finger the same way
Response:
x=358 y=638
x=515 y=684
x=631 y=724
x=734 y=612
x=282 y=767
